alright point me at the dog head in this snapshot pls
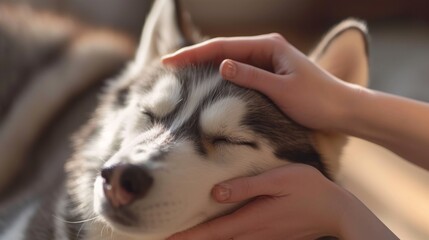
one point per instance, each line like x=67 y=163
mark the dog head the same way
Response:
x=162 y=138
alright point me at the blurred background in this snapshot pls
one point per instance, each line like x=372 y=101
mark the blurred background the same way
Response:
x=399 y=29
x=395 y=190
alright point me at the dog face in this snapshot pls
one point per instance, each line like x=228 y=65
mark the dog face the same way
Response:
x=184 y=132
x=162 y=138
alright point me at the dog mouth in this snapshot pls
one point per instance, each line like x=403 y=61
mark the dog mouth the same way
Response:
x=118 y=215
x=138 y=219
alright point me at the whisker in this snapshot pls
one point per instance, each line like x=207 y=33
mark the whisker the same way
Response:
x=75 y=222
x=80 y=229
x=102 y=230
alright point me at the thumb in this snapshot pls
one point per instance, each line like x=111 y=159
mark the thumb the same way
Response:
x=249 y=76
x=270 y=183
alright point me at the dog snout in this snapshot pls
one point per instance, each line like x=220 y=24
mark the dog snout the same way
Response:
x=125 y=183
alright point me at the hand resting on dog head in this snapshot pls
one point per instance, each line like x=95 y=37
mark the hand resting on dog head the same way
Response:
x=324 y=96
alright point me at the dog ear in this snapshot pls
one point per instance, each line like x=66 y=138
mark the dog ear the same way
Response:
x=166 y=29
x=344 y=52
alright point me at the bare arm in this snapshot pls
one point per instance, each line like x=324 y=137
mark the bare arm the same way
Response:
x=397 y=123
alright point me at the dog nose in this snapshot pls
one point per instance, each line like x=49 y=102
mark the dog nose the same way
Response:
x=125 y=183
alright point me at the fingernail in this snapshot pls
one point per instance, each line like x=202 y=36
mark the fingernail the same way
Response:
x=229 y=69
x=222 y=192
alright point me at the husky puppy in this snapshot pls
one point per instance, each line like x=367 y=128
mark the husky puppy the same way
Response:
x=161 y=138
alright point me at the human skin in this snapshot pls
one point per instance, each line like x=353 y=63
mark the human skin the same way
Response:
x=269 y=64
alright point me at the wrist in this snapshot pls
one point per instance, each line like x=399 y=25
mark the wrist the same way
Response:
x=358 y=222
x=351 y=102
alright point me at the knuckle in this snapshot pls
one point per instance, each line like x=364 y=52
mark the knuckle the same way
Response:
x=278 y=41
x=216 y=42
x=277 y=38
x=307 y=171
x=218 y=39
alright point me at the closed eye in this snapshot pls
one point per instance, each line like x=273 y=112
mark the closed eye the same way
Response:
x=231 y=141
x=149 y=115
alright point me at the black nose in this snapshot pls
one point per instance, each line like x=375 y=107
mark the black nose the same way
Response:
x=107 y=173
x=135 y=180
x=124 y=183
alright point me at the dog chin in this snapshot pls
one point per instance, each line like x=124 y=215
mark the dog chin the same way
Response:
x=120 y=219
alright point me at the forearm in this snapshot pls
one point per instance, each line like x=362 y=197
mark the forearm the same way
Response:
x=399 y=124
x=358 y=222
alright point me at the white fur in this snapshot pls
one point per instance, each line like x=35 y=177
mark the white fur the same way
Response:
x=95 y=151
x=112 y=126
x=223 y=117
x=197 y=94
x=150 y=48
x=164 y=97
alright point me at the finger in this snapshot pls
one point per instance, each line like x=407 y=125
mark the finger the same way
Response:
x=270 y=183
x=243 y=222
x=255 y=50
x=221 y=228
x=275 y=182
x=251 y=77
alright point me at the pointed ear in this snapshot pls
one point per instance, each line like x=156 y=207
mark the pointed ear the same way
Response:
x=344 y=52
x=166 y=29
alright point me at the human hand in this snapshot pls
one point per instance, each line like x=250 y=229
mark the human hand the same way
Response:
x=290 y=202
x=268 y=63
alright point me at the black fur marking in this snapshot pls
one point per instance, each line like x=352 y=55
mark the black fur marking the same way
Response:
x=191 y=130
x=307 y=156
x=122 y=97
x=227 y=140
x=290 y=140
